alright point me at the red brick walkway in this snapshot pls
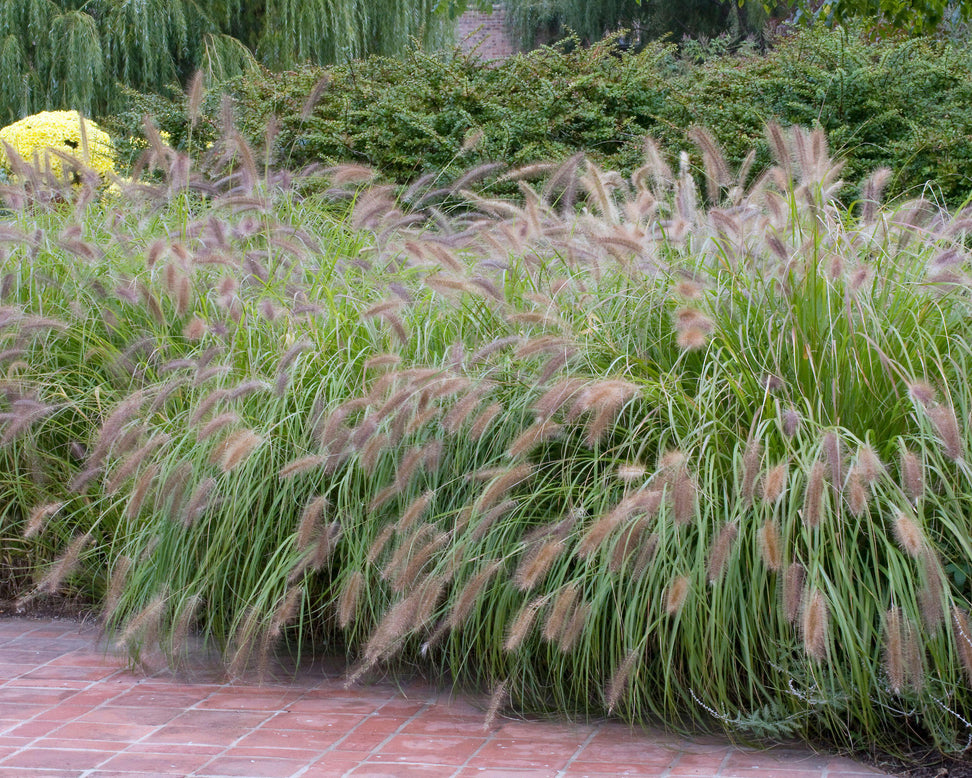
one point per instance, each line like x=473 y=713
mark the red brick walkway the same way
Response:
x=67 y=709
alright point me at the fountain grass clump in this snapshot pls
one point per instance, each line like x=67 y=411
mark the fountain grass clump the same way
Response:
x=601 y=448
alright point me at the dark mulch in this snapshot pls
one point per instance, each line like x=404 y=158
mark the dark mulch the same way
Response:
x=61 y=608
x=920 y=765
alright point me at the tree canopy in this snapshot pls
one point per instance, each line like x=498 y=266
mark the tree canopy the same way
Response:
x=917 y=16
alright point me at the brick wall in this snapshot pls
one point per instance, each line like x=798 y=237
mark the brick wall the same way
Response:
x=486 y=33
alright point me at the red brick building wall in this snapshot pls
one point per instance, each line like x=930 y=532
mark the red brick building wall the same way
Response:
x=486 y=33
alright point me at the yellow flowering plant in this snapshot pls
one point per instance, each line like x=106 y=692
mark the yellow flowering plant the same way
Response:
x=36 y=137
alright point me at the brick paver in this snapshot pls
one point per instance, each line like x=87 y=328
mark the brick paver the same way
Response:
x=69 y=709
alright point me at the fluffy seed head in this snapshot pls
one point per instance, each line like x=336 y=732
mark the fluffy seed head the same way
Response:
x=868 y=465
x=555 y=398
x=930 y=595
x=912 y=475
x=64 y=565
x=770 y=545
x=348 y=601
x=310 y=518
x=123 y=413
x=415 y=511
x=598 y=532
x=489 y=518
x=504 y=481
x=174 y=489
x=774 y=482
x=946 y=427
x=922 y=393
x=692 y=318
x=574 y=627
x=684 y=496
x=116 y=585
x=629 y=543
x=198 y=502
x=430 y=594
x=533 y=436
x=522 y=624
x=207 y=404
x=909 y=535
x=396 y=623
x=313 y=98
x=791 y=421
x=911 y=658
x=369 y=454
x=815 y=626
x=833 y=453
x=603 y=400
x=963 y=639
x=671 y=460
x=560 y=612
x=145 y=623
x=380 y=361
x=646 y=552
x=195 y=96
x=470 y=593
x=459 y=414
x=692 y=339
x=140 y=491
x=216 y=424
x=536 y=564
x=301 y=465
x=618 y=684
x=237 y=447
x=484 y=420
x=677 y=593
x=813 y=497
x=497 y=700
x=894 y=650
x=792 y=592
x=750 y=470
x=721 y=548
x=39 y=516
x=630 y=473
x=379 y=543
x=856 y=494
x=327 y=540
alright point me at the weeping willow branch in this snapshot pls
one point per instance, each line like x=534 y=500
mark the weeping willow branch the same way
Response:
x=55 y=55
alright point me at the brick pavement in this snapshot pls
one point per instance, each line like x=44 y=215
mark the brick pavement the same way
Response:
x=68 y=709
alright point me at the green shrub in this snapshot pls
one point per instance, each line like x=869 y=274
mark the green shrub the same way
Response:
x=410 y=117
x=906 y=105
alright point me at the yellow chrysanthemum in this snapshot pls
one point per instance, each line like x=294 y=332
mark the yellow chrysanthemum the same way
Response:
x=36 y=136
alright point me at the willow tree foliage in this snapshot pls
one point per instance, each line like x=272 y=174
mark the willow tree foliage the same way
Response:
x=71 y=54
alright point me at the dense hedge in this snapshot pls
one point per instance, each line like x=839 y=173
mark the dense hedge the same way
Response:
x=906 y=105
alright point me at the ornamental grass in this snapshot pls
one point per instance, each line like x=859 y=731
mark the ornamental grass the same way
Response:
x=612 y=446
